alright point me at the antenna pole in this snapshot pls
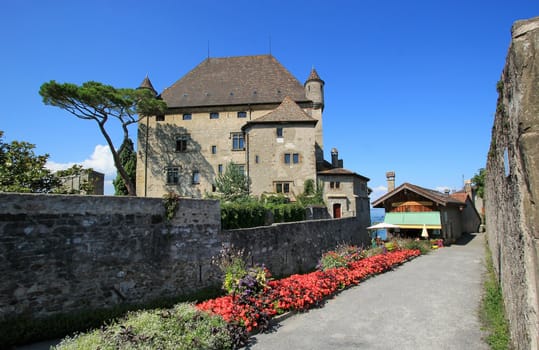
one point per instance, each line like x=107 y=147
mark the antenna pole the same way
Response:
x=208 y=49
x=270 y=45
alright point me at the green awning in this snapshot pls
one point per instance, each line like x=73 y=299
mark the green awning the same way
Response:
x=430 y=219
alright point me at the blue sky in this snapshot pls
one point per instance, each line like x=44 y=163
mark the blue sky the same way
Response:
x=410 y=85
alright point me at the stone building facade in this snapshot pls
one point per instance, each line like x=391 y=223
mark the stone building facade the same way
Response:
x=87 y=179
x=246 y=110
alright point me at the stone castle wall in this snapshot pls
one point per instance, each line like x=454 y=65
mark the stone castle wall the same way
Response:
x=512 y=185
x=67 y=253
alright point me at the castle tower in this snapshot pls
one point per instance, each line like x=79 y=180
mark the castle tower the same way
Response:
x=147 y=84
x=314 y=91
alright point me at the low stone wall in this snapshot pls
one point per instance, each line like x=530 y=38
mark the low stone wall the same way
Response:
x=296 y=247
x=512 y=185
x=60 y=254
x=65 y=253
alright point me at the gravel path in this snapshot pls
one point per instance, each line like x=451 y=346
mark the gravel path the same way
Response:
x=429 y=303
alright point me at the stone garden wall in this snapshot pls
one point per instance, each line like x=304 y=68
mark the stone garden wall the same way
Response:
x=67 y=253
x=512 y=185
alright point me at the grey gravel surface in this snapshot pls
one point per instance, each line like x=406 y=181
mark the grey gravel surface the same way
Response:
x=429 y=303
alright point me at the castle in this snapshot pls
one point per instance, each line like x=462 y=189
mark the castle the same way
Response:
x=250 y=111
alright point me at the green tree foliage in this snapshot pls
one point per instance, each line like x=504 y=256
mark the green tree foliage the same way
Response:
x=311 y=195
x=128 y=158
x=21 y=170
x=478 y=181
x=101 y=103
x=233 y=184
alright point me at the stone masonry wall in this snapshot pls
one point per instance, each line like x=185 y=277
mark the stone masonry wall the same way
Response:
x=60 y=254
x=512 y=185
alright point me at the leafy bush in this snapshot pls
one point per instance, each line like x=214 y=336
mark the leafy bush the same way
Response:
x=423 y=246
x=341 y=256
x=238 y=278
x=182 y=327
x=24 y=329
x=236 y=215
x=331 y=260
x=287 y=212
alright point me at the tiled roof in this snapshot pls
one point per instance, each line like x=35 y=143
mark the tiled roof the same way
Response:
x=433 y=195
x=341 y=171
x=314 y=75
x=460 y=196
x=147 y=84
x=288 y=111
x=234 y=81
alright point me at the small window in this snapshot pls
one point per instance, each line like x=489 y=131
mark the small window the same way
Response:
x=287 y=158
x=181 y=142
x=196 y=177
x=295 y=158
x=238 y=141
x=256 y=159
x=282 y=187
x=240 y=167
x=173 y=175
x=332 y=184
x=220 y=168
x=160 y=118
x=337 y=184
x=213 y=149
x=214 y=115
x=279 y=132
x=187 y=116
x=213 y=188
x=242 y=114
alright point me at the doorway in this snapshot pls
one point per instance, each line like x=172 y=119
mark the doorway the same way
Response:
x=336 y=211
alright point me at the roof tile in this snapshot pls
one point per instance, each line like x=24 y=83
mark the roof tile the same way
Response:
x=234 y=81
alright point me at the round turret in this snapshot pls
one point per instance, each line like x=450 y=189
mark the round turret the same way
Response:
x=147 y=84
x=314 y=89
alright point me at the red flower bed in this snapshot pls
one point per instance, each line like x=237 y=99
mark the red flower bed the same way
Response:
x=301 y=292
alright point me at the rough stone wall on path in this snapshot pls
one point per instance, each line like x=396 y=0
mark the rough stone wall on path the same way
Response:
x=61 y=254
x=512 y=185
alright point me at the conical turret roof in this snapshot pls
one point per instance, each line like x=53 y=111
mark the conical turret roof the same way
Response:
x=147 y=84
x=314 y=75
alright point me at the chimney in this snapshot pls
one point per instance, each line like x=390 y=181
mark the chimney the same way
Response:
x=447 y=191
x=468 y=188
x=334 y=158
x=390 y=175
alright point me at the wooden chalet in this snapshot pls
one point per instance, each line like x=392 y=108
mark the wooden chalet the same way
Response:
x=414 y=208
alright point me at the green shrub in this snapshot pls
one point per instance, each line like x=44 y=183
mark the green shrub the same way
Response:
x=492 y=309
x=341 y=256
x=287 y=212
x=241 y=215
x=423 y=246
x=24 y=329
x=182 y=327
x=331 y=260
x=372 y=252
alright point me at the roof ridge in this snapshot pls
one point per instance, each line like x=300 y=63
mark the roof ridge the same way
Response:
x=235 y=80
